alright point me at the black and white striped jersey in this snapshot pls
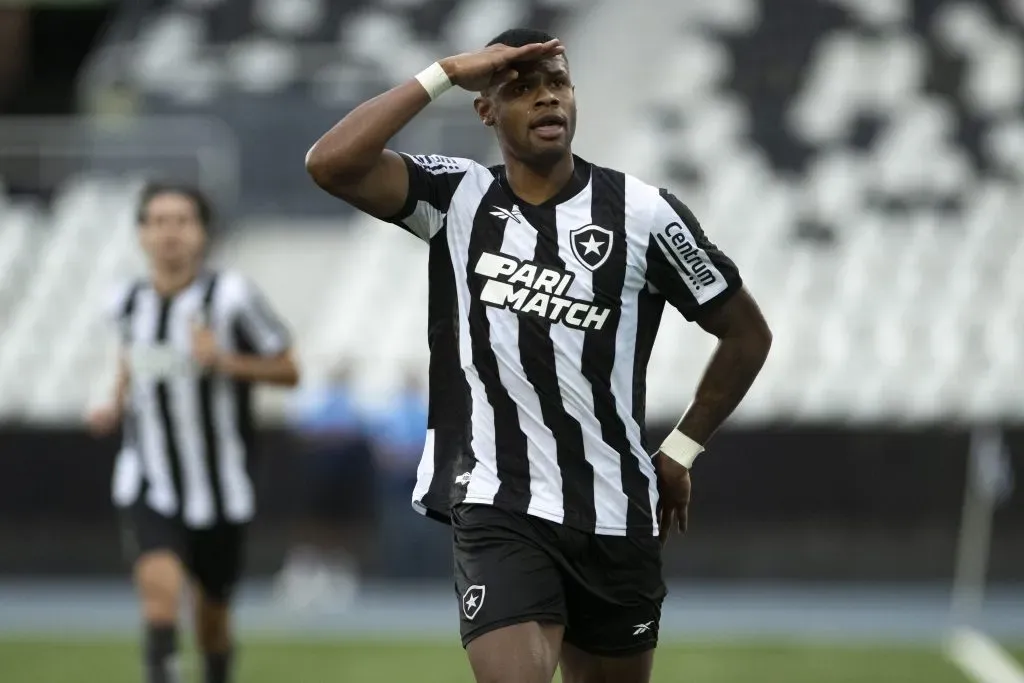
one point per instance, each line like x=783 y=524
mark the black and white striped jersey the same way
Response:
x=554 y=310
x=447 y=441
x=188 y=433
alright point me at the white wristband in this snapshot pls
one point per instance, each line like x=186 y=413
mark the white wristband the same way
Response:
x=434 y=80
x=681 y=448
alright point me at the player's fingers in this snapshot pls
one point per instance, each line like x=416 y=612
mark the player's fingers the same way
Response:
x=506 y=76
x=666 y=523
x=533 y=51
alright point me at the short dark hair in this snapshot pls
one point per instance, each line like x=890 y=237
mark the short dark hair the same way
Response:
x=153 y=189
x=518 y=37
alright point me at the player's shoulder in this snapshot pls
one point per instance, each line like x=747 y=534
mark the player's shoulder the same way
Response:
x=232 y=284
x=440 y=164
x=121 y=294
x=634 y=187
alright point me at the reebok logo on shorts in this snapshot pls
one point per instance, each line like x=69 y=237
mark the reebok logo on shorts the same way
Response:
x=640 y=629
x=473 y=600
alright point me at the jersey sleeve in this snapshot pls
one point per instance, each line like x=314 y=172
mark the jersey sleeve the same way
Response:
x=683 y=265
x=261 y=326
x=433 y=180
x=117 y=308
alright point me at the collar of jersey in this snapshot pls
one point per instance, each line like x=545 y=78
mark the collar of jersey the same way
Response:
x=576 y=184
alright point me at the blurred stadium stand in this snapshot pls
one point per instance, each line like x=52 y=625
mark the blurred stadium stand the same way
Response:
x=862 y=161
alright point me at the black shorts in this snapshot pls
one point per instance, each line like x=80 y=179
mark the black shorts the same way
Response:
x=213 y=557
x=512 y=568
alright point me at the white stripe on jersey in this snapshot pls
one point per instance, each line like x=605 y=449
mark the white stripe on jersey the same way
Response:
x=483 y=483
x=237 y=495
x=545 y=477
x=610 y=501
x=160 y=493
x=186 y=416
x=236 y=488
x=424 y=474
x=126 y=482
x=638 y=194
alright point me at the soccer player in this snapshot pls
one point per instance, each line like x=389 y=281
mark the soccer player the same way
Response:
x=559 y=271
x=194 y=341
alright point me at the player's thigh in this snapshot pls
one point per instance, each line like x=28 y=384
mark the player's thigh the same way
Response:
x=614 y=594
x=155 y=544
x=582 y=667
x=520 y=653
x=504 y=571
x=215 y=559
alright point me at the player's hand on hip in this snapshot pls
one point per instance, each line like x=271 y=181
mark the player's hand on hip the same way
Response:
x=103 y=420
x=673 y=495
x=204 y=345
x=476 y=71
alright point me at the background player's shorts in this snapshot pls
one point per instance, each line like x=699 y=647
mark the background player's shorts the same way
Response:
x=512 y=568
x=214 y=557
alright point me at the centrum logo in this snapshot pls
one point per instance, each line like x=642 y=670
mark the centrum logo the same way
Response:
x=532 y=289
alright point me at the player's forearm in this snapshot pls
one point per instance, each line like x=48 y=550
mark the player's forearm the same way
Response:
x=729 y=375
x=350 y=149
x=122 y=385
x=281 y=370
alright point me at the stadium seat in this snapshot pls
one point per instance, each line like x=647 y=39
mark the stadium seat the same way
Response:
x=870 y=193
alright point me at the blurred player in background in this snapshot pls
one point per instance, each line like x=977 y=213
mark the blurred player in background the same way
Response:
x=194 y=341
x=561 y=270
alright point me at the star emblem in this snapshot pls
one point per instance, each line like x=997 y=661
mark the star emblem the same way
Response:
x=591 y=252
x=592 y=247
x=473 y=600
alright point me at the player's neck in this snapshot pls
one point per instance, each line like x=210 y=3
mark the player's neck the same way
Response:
x=170 y=281
x=538 y=184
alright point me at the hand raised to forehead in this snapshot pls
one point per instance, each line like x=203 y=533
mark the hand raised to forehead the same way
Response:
x=492 y=66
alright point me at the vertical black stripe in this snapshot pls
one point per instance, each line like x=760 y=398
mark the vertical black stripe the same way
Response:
x=128 y=309
x=243 y=404
x=608 y=210
x=126 y=321
x=163 y=403
x=650 y=308
x=449 y=406
x=509 y=441
x=212 y=446
x=537 y=354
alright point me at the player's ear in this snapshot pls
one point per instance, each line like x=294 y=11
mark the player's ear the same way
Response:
x=484 y=109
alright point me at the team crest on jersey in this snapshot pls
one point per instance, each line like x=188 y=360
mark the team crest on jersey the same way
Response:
x=591 y=245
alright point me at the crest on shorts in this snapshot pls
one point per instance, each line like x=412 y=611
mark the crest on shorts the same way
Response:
x=591 y=245
x=473 y=600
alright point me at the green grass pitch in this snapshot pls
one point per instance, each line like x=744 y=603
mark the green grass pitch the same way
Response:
x=263 y=660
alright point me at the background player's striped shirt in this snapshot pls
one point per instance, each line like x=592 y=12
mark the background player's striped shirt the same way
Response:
x=554 y=310
x=188 y=434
